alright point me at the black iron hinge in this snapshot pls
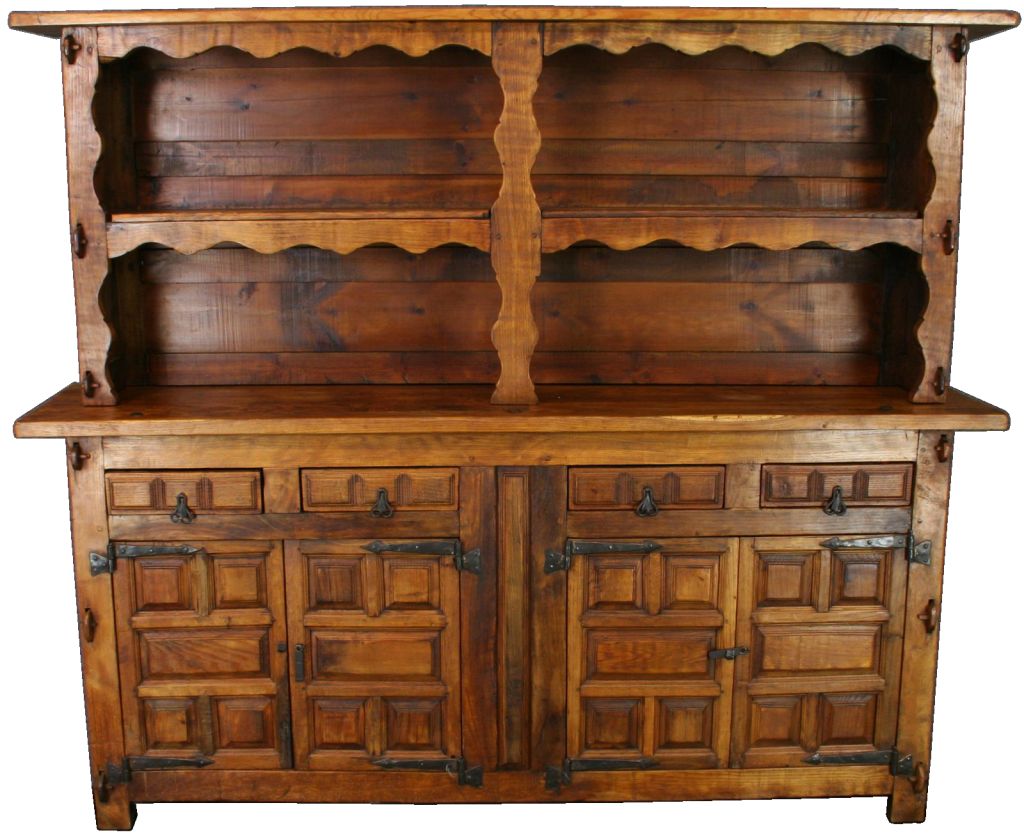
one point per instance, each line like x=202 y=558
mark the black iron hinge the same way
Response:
x=919 y=552
x=465 y=775
x=899 y=766
x=464 y=561
x=118 y=774
x=562 y=560
x=106 y=563
x=556 y=776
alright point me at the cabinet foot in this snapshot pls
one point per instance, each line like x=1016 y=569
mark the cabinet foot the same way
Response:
x=117 y=814
x=905 y=804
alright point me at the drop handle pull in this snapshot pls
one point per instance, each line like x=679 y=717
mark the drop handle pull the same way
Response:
x=647 y=506
x=930 y=616
x=835 y=505
x=183 y=514
x=382 y=508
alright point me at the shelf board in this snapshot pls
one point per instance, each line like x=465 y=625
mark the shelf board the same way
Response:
x=708 y=229
x=317 y=410
x=981 y=23
x=272 y=231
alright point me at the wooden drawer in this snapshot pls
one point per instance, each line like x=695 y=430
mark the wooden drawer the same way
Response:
x=623 y=488
x=205 y=491
x=424 y=488
x=810 y=485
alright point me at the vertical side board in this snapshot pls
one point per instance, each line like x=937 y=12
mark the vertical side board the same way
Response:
x=942 y=216
x=548 y=601
x=921 y=647
x=478 y=619
x=88 y=231
x=97 y=636
x=515 y=216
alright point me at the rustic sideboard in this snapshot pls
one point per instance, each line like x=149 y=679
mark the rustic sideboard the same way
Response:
x=483 y=404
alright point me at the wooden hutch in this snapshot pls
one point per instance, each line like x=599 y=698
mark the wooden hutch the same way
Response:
x=511 y=403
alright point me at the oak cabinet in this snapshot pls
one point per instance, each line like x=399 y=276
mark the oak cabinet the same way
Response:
x=511 y=404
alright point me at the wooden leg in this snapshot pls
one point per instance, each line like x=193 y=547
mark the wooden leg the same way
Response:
x=921 y=632
x=114 y=810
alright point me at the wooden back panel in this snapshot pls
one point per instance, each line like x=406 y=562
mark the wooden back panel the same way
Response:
x=658 y=314
x=377 y=130
x=807 y=129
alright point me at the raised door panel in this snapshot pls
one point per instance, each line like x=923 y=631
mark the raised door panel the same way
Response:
x=642 y=625
x=201 y=633
x=824 y=627
x=375 y=654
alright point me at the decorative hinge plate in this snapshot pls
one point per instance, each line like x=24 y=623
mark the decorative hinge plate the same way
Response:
x=562 y=560
x=919 y=552
x=106 y=563
x=556 y=776
x=464 y=561
x=464 y=774
x=899 y=766
x=728 y=654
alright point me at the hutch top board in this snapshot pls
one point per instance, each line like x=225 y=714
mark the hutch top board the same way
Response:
x=511 y=403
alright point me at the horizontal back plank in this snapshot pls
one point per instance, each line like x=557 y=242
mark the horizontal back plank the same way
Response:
x=258 y=103
x=628 y=316
x=481 y=367
x=636 y=316
x=406 y=157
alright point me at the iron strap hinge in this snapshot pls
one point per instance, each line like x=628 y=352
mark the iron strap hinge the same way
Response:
x=919 y=552
x=899 y=766
x=118 y=774
x=106 y=562
x=465 y=775
x=464 y=561
x=562 y=560
x=556 y=776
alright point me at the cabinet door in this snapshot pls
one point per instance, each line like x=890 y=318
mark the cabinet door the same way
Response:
x=642 y=625
x=199 y=632
x=824 y=627
x=375 y=654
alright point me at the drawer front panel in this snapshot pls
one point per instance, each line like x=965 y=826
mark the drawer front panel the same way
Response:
x=671 y=488
x=205 y=491
x=863 y=485
x=337 y=490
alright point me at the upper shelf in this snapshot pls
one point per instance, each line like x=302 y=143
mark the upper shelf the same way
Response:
x=980 y=23
x=272 y=231
x=708 y=229
x=286 y=410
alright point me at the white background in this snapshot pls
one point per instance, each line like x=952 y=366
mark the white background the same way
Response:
x=978 y=737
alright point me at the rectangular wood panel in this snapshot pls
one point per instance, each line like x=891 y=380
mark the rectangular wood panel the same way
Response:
x=671 y=488
x=206 y=491
x=862 y=485
x=641 y=626
x=359 y=490
x=375 y=654
x=823 y=626
x=198 y=636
